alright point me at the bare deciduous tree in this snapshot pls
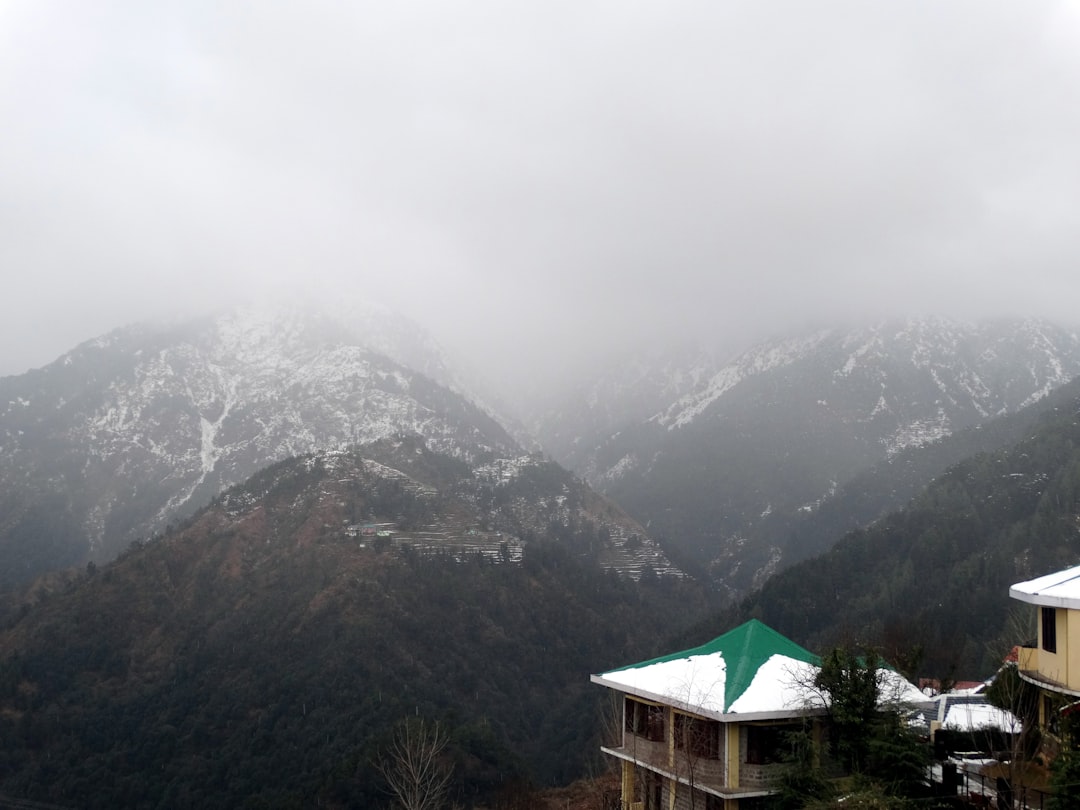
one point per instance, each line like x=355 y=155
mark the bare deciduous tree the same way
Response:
x=413 y=767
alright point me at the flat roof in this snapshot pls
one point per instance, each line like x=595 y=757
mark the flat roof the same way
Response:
x=1060 y=589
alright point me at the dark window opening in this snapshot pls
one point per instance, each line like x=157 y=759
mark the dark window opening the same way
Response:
x=765 y=744
x=645 y=720
x=698 y=736
x=1049 y=629
x=654 y=727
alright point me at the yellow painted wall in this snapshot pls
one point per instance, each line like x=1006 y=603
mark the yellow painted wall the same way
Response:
x=1028 y=658
x=1068 y=622
x=1062 y=666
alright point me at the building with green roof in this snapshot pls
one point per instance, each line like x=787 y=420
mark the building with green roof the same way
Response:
x=706 y=727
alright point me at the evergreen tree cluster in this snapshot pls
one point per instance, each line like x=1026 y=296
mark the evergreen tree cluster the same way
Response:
x=259 y=657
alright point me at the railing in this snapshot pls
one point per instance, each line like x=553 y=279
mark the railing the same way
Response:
x=698 y=768
x=982 y=791
x=644 y=750
x=762 y=776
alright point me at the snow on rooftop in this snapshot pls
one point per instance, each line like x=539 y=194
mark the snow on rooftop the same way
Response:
x=751 y=671
x=781 y=684
x=697 y=681
x=1060 y=589
x=894 y=688
x=979 y=717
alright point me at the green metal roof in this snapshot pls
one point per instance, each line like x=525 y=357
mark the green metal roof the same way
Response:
x=744 y=650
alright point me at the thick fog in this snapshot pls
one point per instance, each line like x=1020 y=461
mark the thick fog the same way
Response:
x=537 y=183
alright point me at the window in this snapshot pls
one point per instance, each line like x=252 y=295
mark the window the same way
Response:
x=701 y=737
x=1049 y=629
x=633 y=722
x=765 y=744
x=654 y=726
x=645 y=719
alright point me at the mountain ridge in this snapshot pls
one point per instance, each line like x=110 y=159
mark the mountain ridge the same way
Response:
x=146 y=423
x=784 y=426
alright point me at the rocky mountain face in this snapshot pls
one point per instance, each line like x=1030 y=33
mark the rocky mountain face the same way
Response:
x=129 y=432
x=775 y=433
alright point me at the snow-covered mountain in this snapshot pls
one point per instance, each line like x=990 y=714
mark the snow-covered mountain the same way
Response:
x=138 y=428
x=920 y=378
x=786 y=424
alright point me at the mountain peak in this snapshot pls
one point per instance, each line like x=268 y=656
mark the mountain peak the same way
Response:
x=150 y=421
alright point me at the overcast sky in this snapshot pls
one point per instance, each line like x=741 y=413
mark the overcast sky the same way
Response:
x=524 y=176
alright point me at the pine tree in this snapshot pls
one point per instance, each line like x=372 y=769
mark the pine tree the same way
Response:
x=1065 y=769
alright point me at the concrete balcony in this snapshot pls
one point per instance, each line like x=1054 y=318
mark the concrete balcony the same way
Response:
x=706 y=773
x=1028 y=662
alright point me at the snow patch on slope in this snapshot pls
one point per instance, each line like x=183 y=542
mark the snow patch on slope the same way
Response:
x=759 y=361
x=918 y=433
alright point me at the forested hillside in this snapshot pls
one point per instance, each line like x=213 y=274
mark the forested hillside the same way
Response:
x=890 y=484
x=261 y=655
x=935 y=575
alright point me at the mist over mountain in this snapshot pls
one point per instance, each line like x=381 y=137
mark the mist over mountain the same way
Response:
x=572 y=416
x=744 y=449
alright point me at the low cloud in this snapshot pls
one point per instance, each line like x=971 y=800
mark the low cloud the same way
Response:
x=544 y=182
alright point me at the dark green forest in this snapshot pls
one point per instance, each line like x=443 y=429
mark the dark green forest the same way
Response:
x=257 y=657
